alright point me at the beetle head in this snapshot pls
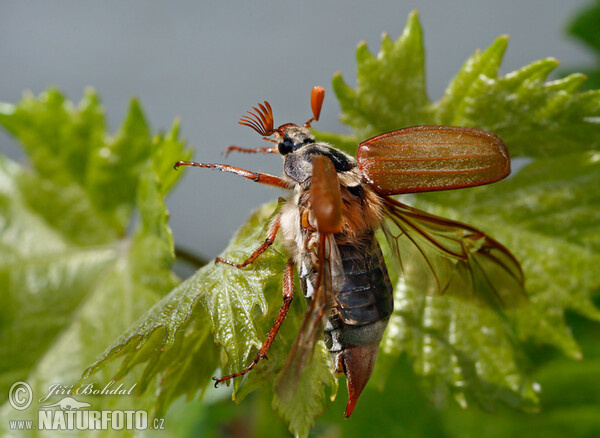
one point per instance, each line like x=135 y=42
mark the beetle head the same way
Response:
x=289 y=137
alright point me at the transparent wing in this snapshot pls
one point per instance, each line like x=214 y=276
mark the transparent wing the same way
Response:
x=441 y=256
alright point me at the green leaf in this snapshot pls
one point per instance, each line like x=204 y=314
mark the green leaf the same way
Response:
x=301 y=410
x=535 y=118
x=121 y=159
x=548 y=217
x=238 y=307
x=44 y=277
x=167 y=151
x=71 y=279
x=569 y=400
x=188 y=311
x=400 y=69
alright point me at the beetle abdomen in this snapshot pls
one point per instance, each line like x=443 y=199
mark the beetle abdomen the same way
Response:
x=364 y=299
x=366 y=294
x=358 y=321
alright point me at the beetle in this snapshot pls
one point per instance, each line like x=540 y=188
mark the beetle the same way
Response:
x=329 y=222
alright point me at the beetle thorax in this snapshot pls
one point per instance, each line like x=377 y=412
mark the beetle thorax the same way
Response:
x=362 y=214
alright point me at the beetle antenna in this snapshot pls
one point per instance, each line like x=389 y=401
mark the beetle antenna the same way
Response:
x=316 y=102
x=261 y=120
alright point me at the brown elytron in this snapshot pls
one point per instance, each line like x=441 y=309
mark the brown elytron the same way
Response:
x=329 y=223
x=427 y=158
x=325 y=196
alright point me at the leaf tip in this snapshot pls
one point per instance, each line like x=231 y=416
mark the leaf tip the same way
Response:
x=362 y=53
x=499 y=45
x=134 y=104
x=91 y=99
x=413 y=17
x=342 y=90
x=176 y=126
x=413 y=24
x=90 y=91
x=554 y=61
x=135 y=118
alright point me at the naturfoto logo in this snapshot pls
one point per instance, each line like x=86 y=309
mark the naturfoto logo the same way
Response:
x=69 y=413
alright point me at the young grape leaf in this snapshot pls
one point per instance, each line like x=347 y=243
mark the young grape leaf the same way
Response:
x=569 y=399
x=71 y=278
x=238 y=306
x=390 y=91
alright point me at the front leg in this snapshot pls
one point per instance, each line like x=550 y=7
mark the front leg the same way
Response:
x=262 y=178
x=271 y=234
x=269 y=150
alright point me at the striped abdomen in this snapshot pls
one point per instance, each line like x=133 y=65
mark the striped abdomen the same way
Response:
x=365 y=300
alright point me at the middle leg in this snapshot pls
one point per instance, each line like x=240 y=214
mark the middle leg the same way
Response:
x=288 y=295
x=271 y=234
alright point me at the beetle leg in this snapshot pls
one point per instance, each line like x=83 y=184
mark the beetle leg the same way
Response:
x=262 y=178
x=288 y=295
x=270 y=150
x=271 y=234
